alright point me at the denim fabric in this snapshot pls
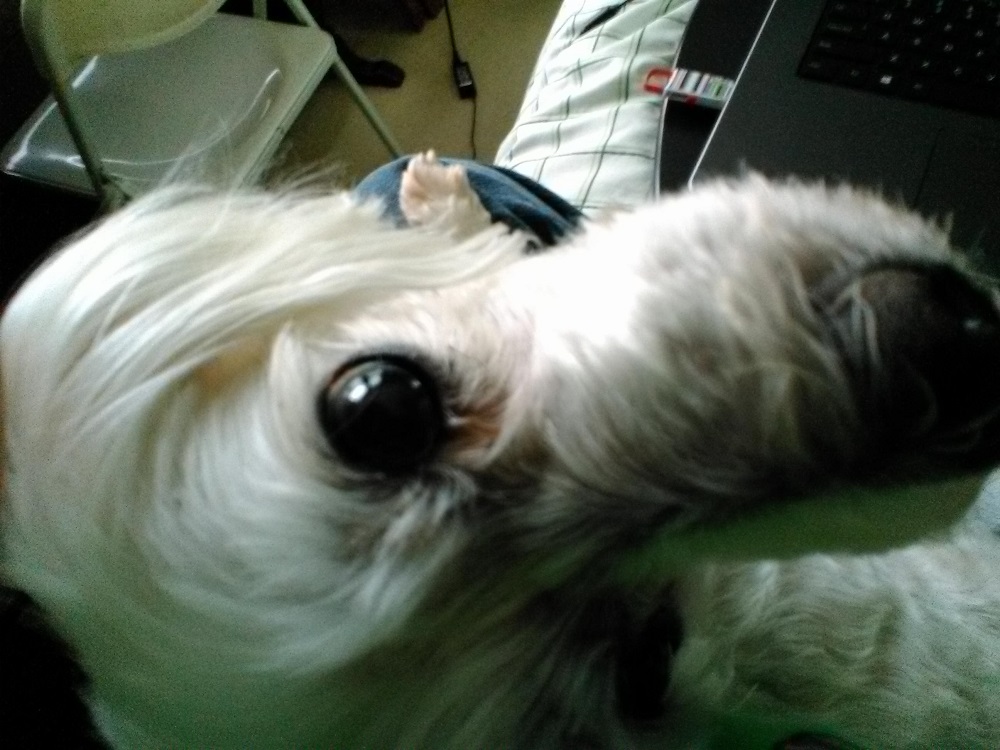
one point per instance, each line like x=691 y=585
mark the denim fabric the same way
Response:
x=514 y=199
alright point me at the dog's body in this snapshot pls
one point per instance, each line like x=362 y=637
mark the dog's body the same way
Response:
x=232 y=570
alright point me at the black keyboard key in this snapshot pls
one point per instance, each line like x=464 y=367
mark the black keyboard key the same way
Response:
x=846 y=50
x=884 y=37
x=855 y=75
x=956 y=74
x=982 y=57
x=895 y=60
x=917 y=89
x=847 y=11
x=848 y=29
x=886 y=17
x=941 y=51
x=967 y=12
x=821 y=68
x=887 y=83
x=947 y=49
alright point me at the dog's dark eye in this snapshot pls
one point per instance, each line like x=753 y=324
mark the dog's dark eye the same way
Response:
x=382 y=414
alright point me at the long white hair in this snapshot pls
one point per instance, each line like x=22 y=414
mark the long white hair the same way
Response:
x=659 y=390
x=117 y=357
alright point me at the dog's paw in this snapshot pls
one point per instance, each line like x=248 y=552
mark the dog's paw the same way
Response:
x=432 y=193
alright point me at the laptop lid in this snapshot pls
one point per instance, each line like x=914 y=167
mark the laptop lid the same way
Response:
x=941 y=160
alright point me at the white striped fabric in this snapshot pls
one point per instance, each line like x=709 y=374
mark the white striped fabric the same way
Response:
x=589 y=123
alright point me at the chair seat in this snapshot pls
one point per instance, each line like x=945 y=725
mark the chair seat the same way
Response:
x=146 y=109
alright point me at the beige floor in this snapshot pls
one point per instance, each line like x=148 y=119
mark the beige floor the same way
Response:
x=499 y=38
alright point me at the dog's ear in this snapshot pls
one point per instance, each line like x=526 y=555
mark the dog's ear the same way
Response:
x=922 y=344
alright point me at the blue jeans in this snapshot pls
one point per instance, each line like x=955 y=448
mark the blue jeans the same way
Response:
x=509 y=197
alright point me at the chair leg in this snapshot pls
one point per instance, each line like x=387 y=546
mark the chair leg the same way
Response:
x=109 y=193
x=367 y=107
x=304 y=17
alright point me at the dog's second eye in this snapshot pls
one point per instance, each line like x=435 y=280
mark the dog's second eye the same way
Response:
x=382 y=414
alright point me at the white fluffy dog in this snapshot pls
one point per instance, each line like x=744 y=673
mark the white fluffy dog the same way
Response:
x=282 y=475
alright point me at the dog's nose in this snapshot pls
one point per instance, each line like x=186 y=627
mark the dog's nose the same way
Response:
x=922 y=344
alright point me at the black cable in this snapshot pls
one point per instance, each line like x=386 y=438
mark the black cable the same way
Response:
x=472 y=132
x=451 y=30
x=462 y=73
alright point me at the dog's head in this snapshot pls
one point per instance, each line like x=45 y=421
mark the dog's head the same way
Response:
x=277 y=470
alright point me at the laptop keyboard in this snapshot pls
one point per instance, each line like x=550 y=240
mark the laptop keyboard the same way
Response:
x=946 y=52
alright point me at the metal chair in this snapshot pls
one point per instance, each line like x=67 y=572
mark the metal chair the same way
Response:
x=144 y=91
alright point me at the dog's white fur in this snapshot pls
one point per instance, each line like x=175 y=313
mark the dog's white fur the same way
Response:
x=173 y=506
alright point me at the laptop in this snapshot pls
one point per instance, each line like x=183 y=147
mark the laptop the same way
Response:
x=901 y=95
